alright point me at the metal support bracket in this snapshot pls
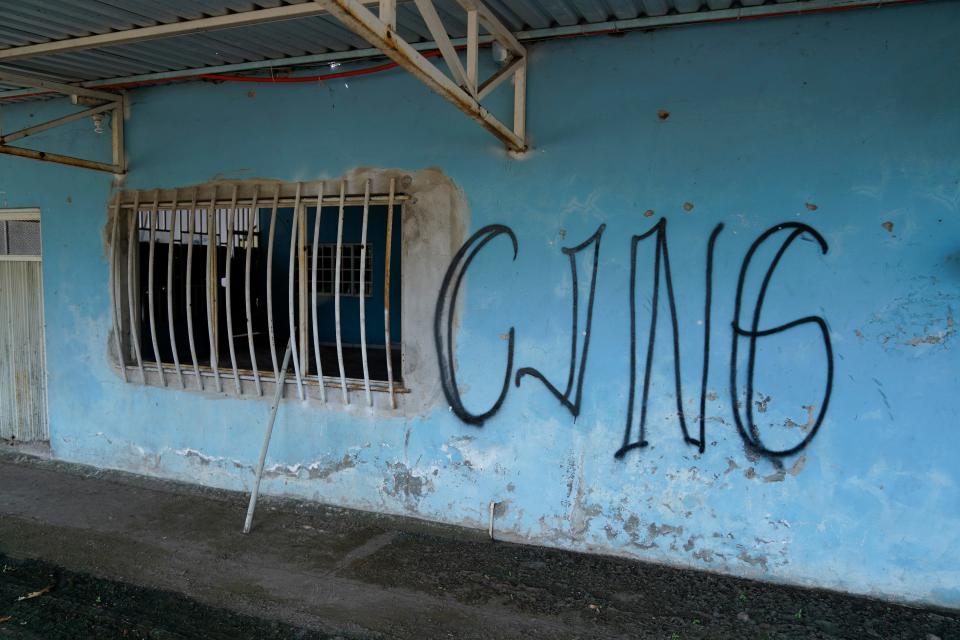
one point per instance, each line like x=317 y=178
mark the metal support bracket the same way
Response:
x=464 y=90
x=101 y=101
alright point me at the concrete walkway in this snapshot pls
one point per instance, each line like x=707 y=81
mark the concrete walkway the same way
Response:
x=338 y=571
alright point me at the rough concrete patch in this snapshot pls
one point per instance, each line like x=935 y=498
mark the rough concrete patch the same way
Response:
x=404 y=483
x=756 y=561
x=193 y=454
x=323 y=472
x=776 y=476
x=798 y=466
x=705 y=555
x=923 y=319
x=805 y=427
x=731 y=465
x=762 y=403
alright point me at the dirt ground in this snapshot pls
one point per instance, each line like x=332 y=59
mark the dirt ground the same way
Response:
x=122 y=556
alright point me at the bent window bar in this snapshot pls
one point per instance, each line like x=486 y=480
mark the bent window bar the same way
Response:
x=180 y=250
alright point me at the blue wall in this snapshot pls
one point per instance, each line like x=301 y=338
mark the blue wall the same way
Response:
x=845 y=122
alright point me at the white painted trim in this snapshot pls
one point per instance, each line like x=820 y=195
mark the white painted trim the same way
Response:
x=19 y=214
x=21 y=259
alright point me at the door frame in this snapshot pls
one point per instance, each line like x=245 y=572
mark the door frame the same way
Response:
x=32 y=214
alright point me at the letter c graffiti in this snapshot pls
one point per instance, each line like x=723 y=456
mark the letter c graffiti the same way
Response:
x=443 y=324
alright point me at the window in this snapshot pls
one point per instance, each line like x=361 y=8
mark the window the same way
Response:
x=210 y=285
x=19 y=239
x=349 y=269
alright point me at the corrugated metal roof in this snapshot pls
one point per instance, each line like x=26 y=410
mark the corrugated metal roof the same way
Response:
x=313 y=39
x=28 y=22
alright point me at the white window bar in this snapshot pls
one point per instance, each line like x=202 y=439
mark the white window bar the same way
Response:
x=212 y=286
x=273 y=229
x=150 y=295
x=294 y=227
x=304 y=324
x=231 y=215
x=174 y=228
x=336 y=294
x=254 y=213
x=386 y=296
x=131 y=288
x=313 y=295
x=114 y=291
x=193 y=346
x=363 y=292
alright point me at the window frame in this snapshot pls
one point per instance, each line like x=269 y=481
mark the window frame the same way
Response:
x=22 y=215
x=124 y=230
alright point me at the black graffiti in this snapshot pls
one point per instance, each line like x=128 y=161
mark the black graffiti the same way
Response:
x=564 y=398
x=747 y=428
x=443 y=318
x=750 y=433
x=662 y=256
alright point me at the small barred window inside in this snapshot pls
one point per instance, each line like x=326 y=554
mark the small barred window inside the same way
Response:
x=350 y=257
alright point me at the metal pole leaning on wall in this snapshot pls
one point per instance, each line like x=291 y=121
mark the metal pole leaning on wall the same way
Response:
x=266 y=436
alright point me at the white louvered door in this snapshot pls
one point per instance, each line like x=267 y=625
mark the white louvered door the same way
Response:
x=23 y=380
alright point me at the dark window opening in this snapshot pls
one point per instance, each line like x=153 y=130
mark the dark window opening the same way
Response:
x=251 y=240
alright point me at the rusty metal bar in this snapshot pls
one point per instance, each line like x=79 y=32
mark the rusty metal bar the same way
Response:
x=313 y=295
x=294 y=228
x=273 y=229
x=473 y=50
x=114 y=292
x=131 y=288
x=13 y=136
x=60 y=159
x=386 y=296
x=212 y=285
x=231 y=215
x=336 y=294
x=245 y=197
x=520 y=101
x=150 y=306
x=254 y=212
x=439 y=32
x=174 y=227
x=363 y=293
x=361 y=21
x=193 y=345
